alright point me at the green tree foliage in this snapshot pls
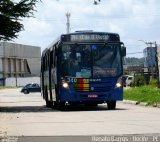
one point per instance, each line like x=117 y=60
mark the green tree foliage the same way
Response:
x=11 y=14
x=96 y=2
x=139 y=80
x=134 y=61
x=153 y=82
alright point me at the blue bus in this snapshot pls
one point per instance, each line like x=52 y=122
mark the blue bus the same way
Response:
x=83 y=67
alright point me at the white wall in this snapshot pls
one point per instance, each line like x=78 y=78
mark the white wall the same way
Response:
x=10 y=82
x=21 y=81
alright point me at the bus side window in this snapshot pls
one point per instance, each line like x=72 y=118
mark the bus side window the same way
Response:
x=54 y=54
x=51 y=59
x=47 y=60
x=45 y=63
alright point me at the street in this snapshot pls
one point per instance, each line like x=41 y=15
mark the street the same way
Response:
x=26 y=115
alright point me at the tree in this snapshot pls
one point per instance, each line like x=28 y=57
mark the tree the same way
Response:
x=11 y=14
x=96 y=1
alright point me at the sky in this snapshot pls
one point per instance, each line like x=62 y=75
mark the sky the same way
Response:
x=136 y=21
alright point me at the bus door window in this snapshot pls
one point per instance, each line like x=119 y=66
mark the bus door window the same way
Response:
x=86 y=57
x=73 y=64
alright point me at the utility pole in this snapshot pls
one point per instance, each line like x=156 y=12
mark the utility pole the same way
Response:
x=157 y=67
x=68 y=22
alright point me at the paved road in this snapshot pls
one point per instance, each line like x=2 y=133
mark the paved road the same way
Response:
x=27 y=115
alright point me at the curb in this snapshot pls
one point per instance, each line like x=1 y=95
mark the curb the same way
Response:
x=140 y=103
x=130 y=102
x=143 y=104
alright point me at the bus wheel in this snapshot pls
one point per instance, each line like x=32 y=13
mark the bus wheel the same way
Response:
x=55 y=105
x=49 y=104
x=111 y=105
x=61 y=105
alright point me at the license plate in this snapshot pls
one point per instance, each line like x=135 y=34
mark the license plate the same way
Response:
x=92 y=96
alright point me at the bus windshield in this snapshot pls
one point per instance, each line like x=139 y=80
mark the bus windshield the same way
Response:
x=91 y=60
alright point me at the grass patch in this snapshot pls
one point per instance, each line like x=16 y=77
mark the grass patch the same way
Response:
x=6 y=87
x=148 y=94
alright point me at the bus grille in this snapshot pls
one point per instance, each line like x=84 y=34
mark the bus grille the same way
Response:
x=93 y=89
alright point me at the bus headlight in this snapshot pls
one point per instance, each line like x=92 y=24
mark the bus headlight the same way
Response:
x=119 y=83
x=65 y=85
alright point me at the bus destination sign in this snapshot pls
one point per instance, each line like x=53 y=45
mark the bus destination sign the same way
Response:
x=89 y=37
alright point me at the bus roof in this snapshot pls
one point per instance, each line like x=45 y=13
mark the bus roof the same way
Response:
x=90 y=32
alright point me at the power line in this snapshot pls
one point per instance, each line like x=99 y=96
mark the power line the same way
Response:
x=134 y=53
x=133 y=45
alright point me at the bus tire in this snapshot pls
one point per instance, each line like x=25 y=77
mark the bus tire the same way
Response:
x=54 y=105
x=49 y=104
x=61 y=105
x=111 y=105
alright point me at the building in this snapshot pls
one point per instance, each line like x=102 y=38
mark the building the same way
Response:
x=152 y=61
x=158 y=59
x=150 y=57
x=18 y=60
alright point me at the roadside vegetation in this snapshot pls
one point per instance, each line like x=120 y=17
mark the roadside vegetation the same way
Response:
x=6 y=87
x=143 y=90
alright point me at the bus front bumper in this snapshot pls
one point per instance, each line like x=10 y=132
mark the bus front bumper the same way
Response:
x=72 y=96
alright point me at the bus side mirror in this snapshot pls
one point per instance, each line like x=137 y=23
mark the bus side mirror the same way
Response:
x=123 y=48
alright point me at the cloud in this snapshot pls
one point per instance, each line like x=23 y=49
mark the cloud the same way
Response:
x=132 y=19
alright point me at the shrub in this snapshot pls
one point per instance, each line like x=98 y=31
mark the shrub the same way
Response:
x=148 y=94
x=153 y=82
x=139 y=80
